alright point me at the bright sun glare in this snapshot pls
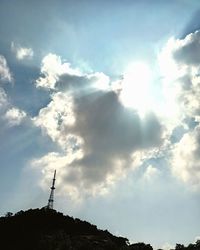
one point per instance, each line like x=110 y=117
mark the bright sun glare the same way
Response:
x=135 y=91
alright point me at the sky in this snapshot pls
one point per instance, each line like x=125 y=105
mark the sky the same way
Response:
x=108 y=94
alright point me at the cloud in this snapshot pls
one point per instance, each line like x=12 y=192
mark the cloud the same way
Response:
x=5 y=74
x=180 y=63
x=52 y=68
x=99 y=138
x=197 y=238
x=167 y=246
x=59 y=75
x=187 y=50
x=22 y=52
x=56 y=116
x=180 y=68
x=185 y=159
x=181 y=52
x=151 y=173
x=14 y=116
x=3 y=99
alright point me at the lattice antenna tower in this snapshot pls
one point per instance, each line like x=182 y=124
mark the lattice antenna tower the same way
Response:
x=51 y=197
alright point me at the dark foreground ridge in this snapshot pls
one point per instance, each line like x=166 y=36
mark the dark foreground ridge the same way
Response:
x=47 y=229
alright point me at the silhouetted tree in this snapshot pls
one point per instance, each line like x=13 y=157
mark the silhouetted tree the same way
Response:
x=198 y=244
x=8 y=214
x=140 y=246
x=191 y=247
x=46 y=229
x=179 y=247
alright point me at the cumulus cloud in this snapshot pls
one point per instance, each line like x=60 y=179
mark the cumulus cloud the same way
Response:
x=52 y=68
x=57 y=116
x=180 y=66
x=185 y=160
x=5 y=74
x=22 y=52
x=59 y=75
x=187 y=50
x=14 y=116
x=99 y=138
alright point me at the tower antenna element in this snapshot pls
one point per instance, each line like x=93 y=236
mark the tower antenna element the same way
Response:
x=51 y=197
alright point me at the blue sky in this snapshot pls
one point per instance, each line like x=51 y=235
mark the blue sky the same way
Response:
x=107 y=93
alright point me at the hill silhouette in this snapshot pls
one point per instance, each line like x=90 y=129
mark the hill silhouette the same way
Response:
x=47 y=229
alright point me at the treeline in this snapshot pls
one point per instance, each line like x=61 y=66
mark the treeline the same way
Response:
x=195 y=246
x=47 y=229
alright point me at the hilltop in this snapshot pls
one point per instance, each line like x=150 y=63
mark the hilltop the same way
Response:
x=47 y=229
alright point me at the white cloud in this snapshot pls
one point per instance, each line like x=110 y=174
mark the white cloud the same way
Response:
x=180 y=69
x=180 y=61
x=52 y=68
x=57 y=161
x=9 y=114
x=22 y=52
x=3 y=98
x=98 y=138
x=14 y=116
x=73 y=180
x=101 y=81
x=101 y=137
x=151 y=173
x=185 y=159
x=187 y=50
x=5 y=74
x=167 y=246
x=55 y=117
x=59 y=75
x=196 y=239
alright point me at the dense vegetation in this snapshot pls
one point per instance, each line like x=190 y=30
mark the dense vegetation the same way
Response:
x=195 y=246
x=46 y=229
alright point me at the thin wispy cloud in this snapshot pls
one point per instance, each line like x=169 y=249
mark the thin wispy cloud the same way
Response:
x=5 y=74
x=22 y=53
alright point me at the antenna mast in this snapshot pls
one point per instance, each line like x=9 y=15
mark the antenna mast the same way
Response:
x=51 y=197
